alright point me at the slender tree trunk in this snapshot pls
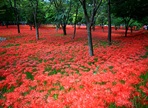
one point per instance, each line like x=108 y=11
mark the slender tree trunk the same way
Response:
x=37 y=32
x=30 y=27
x=18 y=26
x=17 y=16
x=75 y=23
x=90 y=44
x=126 y=29
x=131 y=29
x=102 y=27
x=36 y=26
x=94 y=27
x=35 y=21
x=64 y=29
x=109 y=24
x=6 y=25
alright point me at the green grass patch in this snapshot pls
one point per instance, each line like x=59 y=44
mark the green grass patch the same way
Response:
x=55 y=96
x=29 y=76
x=122 y=81
x=59 y=35
x=53 y=71
x=10 y=45
x=111 y=67
x=112 y=105
x=3 y=52
x=36 y=59
x=143 y=97
x=103 y=43
x=2 y=78
x=146 y=53
x=144 y=77
x=5 y=89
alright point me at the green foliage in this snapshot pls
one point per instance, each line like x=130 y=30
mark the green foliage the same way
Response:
x=146 y=53
x=143 y=96
x=5 y=89
x=1 y=53
x=2 y=78
x=103 y=43
x=144 y=77
x=29 y=76
x=10 y=45
x=55 y=96
x=112 y=105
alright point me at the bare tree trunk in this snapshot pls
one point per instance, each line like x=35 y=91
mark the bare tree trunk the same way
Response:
x=131 y=29
x=36 y=28
x=75 y=23
x=30 y=27
x=90 y=44
x=64 y=29
x=109 y=24
x=17 y=16
x=126 y=29
x=18 y=25
x=35 y=21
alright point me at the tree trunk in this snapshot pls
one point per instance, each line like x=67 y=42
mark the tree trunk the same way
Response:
x=30 y=27
x=37 y=32
x=126 y=29
x=75 y=23
x=109 y=24
x=90 y=44
x=64 y=29
x=6 y=25
x=17 y=16
x=36 y=26
x=93 y=27
x=131 y=29
x=18 y=27
x=103 y=28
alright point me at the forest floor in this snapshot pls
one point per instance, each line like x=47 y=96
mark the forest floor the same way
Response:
x=57 y=71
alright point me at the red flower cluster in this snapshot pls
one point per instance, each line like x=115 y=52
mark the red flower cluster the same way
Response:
x=57 y=72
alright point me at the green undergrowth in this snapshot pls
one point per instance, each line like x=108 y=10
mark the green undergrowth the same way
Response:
x=143 y=97
x=10 y=45
x=146 y=53
x=53 y=71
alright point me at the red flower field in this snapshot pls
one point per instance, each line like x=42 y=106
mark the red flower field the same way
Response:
x=57 y=71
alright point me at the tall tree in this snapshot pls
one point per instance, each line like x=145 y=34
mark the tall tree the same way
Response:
x=34 y=5
x=109 y=23
x=129 y=10
x=14 y=5
x=63 y=9
x=6 y=13
x=75 y=16
x=93 y=6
